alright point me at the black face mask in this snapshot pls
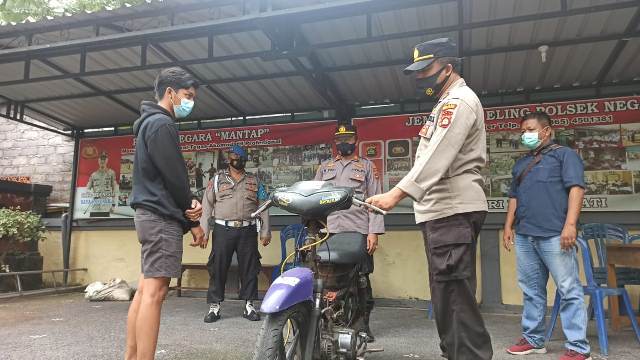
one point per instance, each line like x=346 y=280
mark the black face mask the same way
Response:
x=238 y=164
x=345 y=149
x=428 y=87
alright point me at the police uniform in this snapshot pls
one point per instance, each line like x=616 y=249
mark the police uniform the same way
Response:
x=362 y=175
x=227 y=206
x=103 y=185
x=450 y=206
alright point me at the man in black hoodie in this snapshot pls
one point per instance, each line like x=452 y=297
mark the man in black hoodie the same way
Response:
x=164 y=205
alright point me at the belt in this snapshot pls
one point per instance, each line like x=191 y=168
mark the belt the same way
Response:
x=236 y=223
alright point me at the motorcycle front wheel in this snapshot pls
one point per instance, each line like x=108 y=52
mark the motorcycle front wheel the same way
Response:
x=284 y=334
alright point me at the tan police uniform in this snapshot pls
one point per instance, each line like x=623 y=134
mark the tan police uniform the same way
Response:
x=445 y=178
x=449 y=202
x=227 y=207
x=104 y=187
x=361 y=175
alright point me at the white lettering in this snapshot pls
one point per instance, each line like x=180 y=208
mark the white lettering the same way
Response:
x=595 y=203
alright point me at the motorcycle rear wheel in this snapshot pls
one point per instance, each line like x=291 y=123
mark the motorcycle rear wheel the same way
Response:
x=284 y=334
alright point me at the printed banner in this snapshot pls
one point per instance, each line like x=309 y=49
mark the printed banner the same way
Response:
x=605 y=132
x=279 y=154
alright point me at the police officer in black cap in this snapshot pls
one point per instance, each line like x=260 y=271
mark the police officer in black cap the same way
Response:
x=350 y=170
x=449 y=202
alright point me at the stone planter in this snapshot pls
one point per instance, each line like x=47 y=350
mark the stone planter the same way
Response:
x=21 y=257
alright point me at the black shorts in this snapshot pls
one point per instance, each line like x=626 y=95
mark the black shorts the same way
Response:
x=161 y=241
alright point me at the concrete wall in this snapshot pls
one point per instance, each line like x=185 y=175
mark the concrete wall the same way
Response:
x=44 y=156
x=401 y=271
x=400 y=262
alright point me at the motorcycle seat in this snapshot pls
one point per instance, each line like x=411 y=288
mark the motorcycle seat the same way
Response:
x=343 y=249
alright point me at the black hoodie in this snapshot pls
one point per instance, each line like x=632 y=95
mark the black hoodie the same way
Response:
x=160 y=178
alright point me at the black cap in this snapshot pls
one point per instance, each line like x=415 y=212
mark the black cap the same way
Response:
x=103 y=155
x=425 y=53
x=345 y=129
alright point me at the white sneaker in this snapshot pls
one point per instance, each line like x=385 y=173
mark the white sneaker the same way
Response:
x=250 y=312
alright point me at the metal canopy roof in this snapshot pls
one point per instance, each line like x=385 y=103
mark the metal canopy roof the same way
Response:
x=282 y=56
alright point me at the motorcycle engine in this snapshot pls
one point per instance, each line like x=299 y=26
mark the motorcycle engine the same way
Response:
x=347 y=342
x=341 y=345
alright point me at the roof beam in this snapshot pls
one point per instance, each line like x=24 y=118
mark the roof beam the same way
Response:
x=215 y=92
x=125 y=69
x=92 y=87
x=523 y=93
x=365 y=66
x=207 y=60
x=551 y=44
x=337 y=9
x=166 y=53
x=304 y=50
x=285 y=37
x=150 y=88
x=617 y=50
x=19 y=110
x=28 y=123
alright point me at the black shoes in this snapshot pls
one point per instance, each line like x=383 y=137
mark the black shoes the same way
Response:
x=214 y=313
x=250 y=312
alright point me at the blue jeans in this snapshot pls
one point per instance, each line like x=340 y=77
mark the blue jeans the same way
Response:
x=537 y=257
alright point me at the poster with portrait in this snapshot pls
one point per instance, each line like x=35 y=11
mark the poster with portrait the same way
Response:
x=278 y=154
x=604 y=132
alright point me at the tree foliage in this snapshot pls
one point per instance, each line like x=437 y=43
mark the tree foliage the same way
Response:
x=15 y=11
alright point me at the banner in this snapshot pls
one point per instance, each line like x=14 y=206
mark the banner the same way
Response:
x=279 y=154
x=604 y=132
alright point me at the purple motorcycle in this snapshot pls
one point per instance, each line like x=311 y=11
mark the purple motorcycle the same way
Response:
x=316 y=312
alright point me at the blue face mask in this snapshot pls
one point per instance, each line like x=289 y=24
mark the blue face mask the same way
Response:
x=184 y=109
x=530 y=140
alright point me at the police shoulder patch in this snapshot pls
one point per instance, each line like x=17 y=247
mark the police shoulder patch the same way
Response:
x=449 y=106
x=446 y=114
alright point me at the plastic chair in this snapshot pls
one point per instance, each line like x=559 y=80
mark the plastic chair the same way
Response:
x=598 y=294
x=632 y=238
x=291 y=232
x=601 y=234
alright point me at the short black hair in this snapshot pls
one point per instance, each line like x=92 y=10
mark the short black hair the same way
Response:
x=542 y=117
x=174 y=77
x=454 y=61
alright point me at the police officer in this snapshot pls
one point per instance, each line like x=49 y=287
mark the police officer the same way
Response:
x=348 y=169
x=446 y=186
x=102 y=183
x=230 y=198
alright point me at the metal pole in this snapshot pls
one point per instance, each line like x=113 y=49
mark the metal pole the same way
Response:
x=68 y=221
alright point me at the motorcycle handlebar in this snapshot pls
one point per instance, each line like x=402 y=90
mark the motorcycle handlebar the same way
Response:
x=356 y=201
x=262 y=208
x=376 y=209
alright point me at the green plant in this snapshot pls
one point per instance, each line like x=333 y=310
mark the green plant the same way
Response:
x=18 y=226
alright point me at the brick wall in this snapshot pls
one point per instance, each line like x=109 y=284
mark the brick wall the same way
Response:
x=44 y=156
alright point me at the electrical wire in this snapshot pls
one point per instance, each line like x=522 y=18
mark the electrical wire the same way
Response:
x=305 y=247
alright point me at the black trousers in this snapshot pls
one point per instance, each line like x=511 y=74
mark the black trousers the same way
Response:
x=450 y=244
x=366 y=268
x=226 y=241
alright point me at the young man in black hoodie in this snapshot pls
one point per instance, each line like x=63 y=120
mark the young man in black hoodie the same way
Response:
x=164 y=205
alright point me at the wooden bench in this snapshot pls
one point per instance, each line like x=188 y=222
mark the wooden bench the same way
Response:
x=267 y=270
